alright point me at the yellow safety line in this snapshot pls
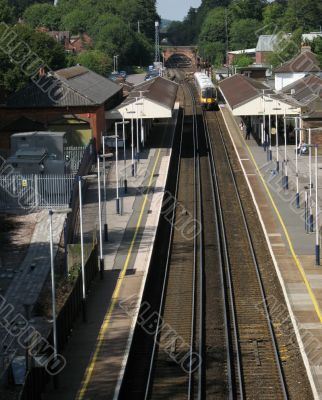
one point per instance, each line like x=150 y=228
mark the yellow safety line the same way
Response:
x=297 y=261
x=107 y=319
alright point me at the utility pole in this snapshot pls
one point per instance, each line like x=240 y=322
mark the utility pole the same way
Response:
x=139 y=27
x=157 y=43
x=226 y=38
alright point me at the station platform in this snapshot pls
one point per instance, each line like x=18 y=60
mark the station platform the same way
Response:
x=292 y=248
x=98 y=349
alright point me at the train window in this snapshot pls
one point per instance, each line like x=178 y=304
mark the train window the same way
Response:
x=204 y=93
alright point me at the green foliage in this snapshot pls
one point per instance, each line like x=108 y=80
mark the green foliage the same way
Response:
x=287 y=48
x=273 y=15
x=31 y=50
x=317 y=48
x=243 y=33
x=214 y=52
x=47 y=15
x=213 y=28
x=242 y=60
x=244 y=9
x=304 y=14
x=6 y=12
x=77 y=21
x=96 y=61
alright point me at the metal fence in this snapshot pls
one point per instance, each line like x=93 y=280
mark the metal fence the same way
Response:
x=35 y=191
x=74 y=154
x=37 y=378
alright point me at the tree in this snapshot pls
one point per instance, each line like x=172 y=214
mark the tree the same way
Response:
x=213 y=28
x=77 y=21
x=243 y=33
x=21 y=5
x=242 y=60
x=316 y=46
x=304 y=14
x=243 y=9
x=213 y=52
x=6 y=12
x=96 y=61
x=116 y=38
x=31 y=51
x=286 y=48
x=273 y=14
x=46 y=15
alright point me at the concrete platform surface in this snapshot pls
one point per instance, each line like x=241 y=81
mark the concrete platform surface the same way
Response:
x=97 y=352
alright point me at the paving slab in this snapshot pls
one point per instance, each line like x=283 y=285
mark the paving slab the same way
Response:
x=98 y=349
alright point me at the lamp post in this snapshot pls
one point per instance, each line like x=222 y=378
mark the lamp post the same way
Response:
x=108 y=155
x=52 y=273
x=80 y=180
x=137 y=128
x=269 y=153
x=317 y=242
x=100 y=217
x=276 y=134
x=132 y=139
x=285 y=155
x=124 y=156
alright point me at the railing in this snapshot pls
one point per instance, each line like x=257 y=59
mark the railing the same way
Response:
x=45 y=191
x=37 y=378
x=75 y=155
x=84 y=168
x=35 y=191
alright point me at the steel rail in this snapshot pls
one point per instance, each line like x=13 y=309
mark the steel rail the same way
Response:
x=164 y=285
x=224 y=249
x=258 y=274
x=221 y=243
x=195 y=249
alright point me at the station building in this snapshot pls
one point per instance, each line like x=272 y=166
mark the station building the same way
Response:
x=73 y=100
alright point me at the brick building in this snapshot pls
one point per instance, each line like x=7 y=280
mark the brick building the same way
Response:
x=69 y=94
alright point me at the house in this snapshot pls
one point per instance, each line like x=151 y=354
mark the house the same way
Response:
x=266 y=44
x=233 y=55
x=72 y=43
x=297 y=68
x=309 y=37
x=307 y=92
x=76 y=91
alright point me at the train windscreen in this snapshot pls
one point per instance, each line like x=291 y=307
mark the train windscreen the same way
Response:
x=208 y=92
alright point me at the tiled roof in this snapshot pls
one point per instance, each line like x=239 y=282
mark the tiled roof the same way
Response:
x=70 y=87
x=159 y=90
x=268 y=42
x=305 y=90
x=238 y=89
x=303 y=62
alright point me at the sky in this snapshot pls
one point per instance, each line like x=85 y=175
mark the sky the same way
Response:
x=175 y=9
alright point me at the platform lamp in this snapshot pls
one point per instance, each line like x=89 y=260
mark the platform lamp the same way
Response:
x=264 y=138
x=137 y=128
x=132 y=140
x=80 y=180
x=51 y=212
x=285 y=177
x=269 y=153
x=276 y=134
x=105 y=156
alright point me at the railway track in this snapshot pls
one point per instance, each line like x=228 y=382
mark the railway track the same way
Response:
x=210 y=335
x=257 y=364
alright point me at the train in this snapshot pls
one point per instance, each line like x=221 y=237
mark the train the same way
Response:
x=207 y=91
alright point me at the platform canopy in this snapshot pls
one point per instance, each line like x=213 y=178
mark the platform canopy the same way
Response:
x=246 y=96
x=148 y=100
